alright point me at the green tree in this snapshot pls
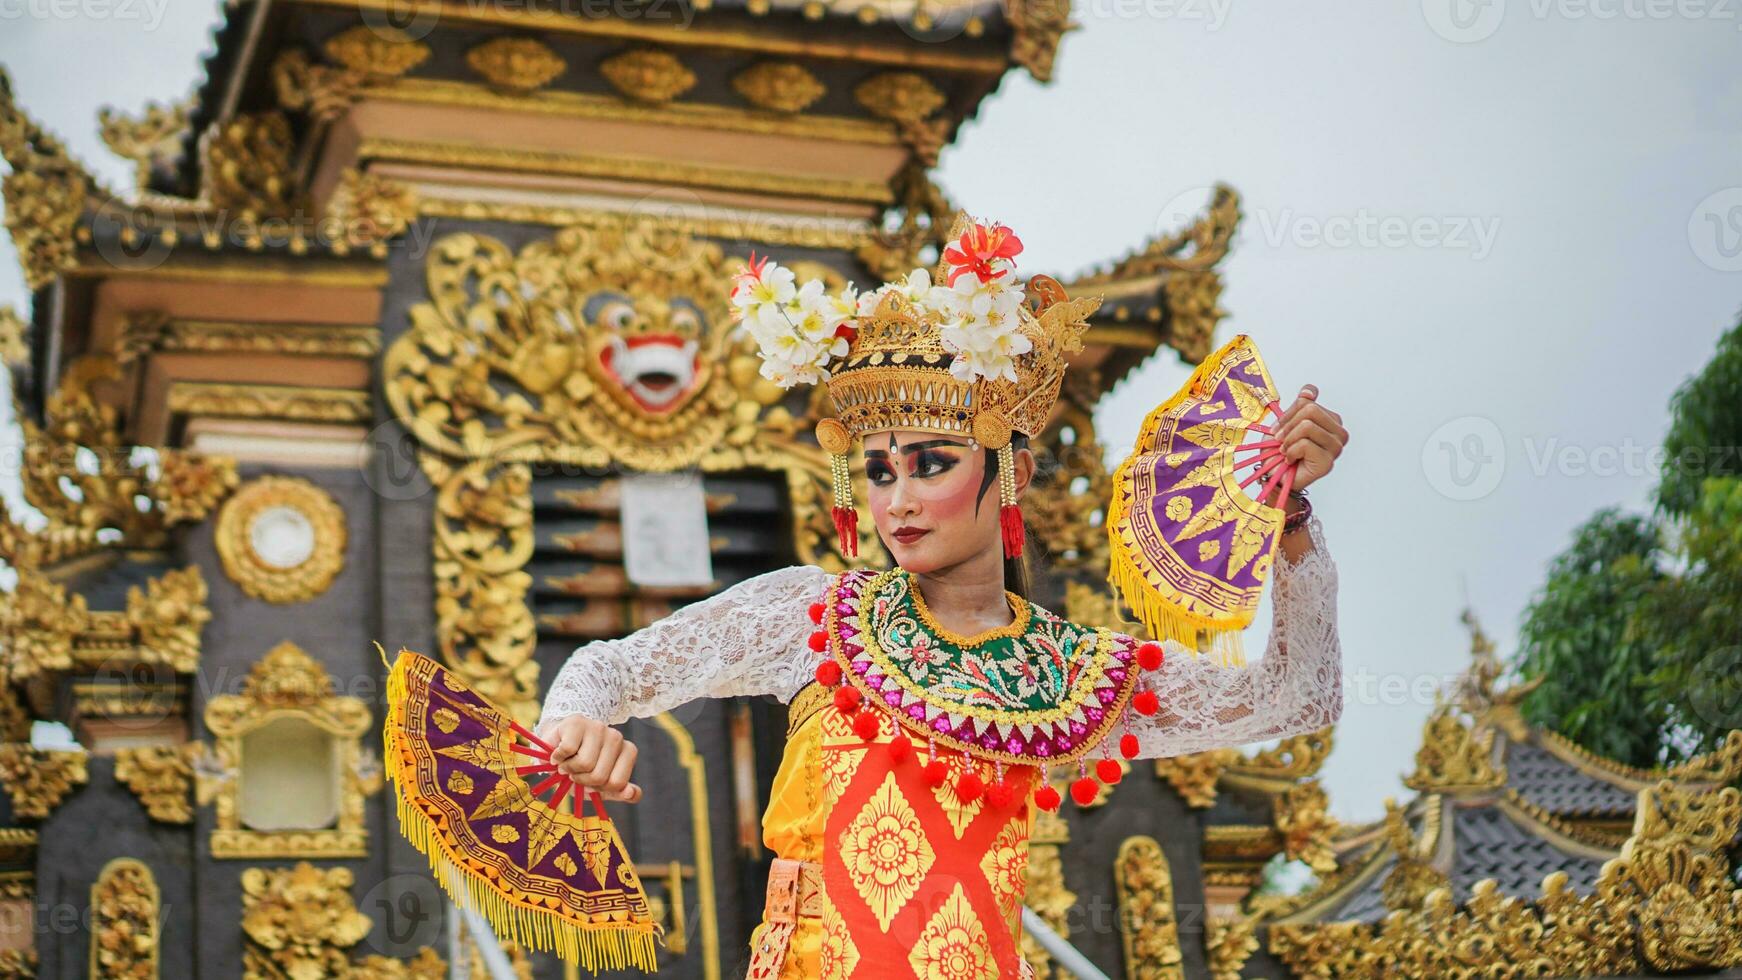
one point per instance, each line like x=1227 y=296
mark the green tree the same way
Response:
x=1578 y=635
x=1693 y=622
x=1637 y=633
x=1705 y=432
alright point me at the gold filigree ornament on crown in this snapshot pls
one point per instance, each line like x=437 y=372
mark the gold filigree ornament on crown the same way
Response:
x=282 y=539
x=976 y=352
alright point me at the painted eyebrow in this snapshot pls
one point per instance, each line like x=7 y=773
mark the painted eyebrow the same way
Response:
x=914 y=447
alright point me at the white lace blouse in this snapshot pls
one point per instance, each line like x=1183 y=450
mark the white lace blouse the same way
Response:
x=752 y=639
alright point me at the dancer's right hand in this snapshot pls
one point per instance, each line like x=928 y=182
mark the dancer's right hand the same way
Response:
x=595 y=755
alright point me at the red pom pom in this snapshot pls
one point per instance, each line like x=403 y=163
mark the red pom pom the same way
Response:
x=816 y=612
x=1146 y=703
x=1047 y=798
x=1108 y=771
x=899 y=747
x=1149 y=656
x=970 y=787
x=828 y=673
x=1128 y=745
x=848 y=698
x=819 y=641
x=1084 y=790
x=866 y=725
x=935 y=773
x=1000 y=795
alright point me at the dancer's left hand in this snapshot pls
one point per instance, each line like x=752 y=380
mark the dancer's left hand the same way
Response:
x=1311 y=436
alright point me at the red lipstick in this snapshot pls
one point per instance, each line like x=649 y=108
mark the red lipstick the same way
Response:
x=908 y=535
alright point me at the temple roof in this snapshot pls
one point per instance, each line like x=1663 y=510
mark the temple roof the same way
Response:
x=1503 y=811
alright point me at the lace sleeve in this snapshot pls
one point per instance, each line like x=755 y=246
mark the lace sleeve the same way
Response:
x=1297 y=687
x=749 y=639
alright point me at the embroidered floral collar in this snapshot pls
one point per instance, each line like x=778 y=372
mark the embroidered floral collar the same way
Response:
x=1041 y=690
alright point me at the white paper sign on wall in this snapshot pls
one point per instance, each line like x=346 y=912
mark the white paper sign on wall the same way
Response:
x=665 y=529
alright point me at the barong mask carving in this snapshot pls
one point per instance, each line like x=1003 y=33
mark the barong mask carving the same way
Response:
x=598 y=343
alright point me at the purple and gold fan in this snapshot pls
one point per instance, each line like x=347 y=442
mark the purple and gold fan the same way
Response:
x=1192 y=539
x=545 y=878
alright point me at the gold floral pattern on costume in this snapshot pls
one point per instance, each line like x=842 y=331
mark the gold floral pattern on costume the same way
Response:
x=960 y=814
x=954 y=945
x=839 y=956
x=885 y=852
x=460 y=784
x=445 y=719
x=1006 y=865
x=841 y=753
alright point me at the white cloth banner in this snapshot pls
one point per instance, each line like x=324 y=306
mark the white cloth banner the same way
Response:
x=665 y=529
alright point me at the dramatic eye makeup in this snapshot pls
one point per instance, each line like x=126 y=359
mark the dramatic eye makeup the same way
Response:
x=921 y=460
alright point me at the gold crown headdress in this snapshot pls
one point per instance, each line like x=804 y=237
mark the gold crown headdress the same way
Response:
x=968 y=348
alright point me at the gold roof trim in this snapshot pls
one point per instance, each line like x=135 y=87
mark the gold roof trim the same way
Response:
x=1039 y=36
x=46 y=193
x=1721 y=765
x=1667 y=904
x=1563 y=834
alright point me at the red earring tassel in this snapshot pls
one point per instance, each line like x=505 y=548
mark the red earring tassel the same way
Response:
x=847 y=529
x=1010 y=522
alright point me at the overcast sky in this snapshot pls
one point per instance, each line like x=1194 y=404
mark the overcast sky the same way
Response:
x=1496 y=234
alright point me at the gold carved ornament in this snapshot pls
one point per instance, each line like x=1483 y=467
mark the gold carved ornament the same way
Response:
x=1037 y=26
x=281 y=539
x=286 y=683
x=1666 y=904
x=378 y=53
x=125 y=912
x=513 y=361
x=520 y=65
x=162 y=777
x=778 y=86
x=1187 y=260
x=1228 y=944
x=38 y=780
x=647 y=75
x=248 y=168
x=1413 y=874
x=1045 y=892
x=1194 y=776
x=908 y=100
x=78 y=425
x=1455 y=757
x=426 y=965
x=371 y=210
x=1301 y=814
x=152 y=140
x=1148 y=927
x=14 y=348
x=299 y=922
x=46 y=193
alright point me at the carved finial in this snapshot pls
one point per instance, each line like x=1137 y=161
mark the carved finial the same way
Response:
x=152 y=139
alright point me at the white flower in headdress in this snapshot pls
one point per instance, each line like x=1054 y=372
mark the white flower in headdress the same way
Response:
x=797 y=328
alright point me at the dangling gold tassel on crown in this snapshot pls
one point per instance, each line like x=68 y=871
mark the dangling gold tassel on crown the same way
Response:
x=991 y=431
x=834 y=439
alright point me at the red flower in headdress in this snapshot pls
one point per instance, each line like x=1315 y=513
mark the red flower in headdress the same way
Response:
x=978 y=247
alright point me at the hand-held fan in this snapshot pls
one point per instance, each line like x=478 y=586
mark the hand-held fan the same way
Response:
x=1192 y=540
x=544 y=878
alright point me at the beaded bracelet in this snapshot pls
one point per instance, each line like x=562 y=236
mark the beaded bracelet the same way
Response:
x=1299 y=518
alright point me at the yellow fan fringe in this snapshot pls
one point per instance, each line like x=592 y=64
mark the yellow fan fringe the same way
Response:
x=1164 y=619
x=611 y=947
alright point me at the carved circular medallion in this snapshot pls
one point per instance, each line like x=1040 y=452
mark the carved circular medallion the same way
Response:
x=281 y=539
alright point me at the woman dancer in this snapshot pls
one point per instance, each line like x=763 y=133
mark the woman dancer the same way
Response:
x=931 y=704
